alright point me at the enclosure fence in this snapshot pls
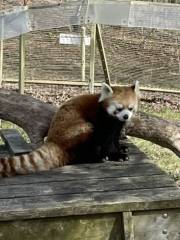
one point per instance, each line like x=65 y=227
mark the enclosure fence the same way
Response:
x=135 y=40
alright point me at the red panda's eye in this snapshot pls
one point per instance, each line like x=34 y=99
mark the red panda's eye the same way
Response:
x=119 y=109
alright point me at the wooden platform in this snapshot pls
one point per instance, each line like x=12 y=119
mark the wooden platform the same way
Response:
x=134 y=200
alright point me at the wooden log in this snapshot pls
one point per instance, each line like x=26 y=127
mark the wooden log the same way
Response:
x=163 y=132
x=34 y=117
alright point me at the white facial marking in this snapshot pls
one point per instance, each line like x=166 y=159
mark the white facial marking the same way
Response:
x=116 y=109
x=111 y=109
x=124 y=115
x=118 y=105
x=131 y=106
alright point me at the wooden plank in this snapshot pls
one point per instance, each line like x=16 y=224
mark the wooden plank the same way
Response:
x=128 y=226
x=133 y=148
x=157 y=225
x=137 y=158
x=86 y=171
x=14 y=141
x=88 y=203
x=88 y=186
x=97 y=227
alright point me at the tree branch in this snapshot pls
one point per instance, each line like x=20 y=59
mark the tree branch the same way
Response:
x=157 y=130
x=32 y=115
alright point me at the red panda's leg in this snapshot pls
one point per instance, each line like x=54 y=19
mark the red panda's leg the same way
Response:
x=68 y=128
x=76 y=134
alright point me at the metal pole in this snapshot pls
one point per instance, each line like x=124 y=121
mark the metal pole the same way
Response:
x=92 y=57
x=83 y=53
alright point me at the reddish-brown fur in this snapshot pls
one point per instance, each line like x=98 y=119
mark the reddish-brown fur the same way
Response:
x=71 y=126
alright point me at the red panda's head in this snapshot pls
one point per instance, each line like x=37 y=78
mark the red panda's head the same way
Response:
x=120 y=102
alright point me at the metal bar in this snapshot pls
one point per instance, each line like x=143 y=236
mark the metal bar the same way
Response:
x=83 y=53
x=102 y=54
x=92 y=57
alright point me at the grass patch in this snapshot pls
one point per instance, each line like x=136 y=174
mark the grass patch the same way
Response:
x=163 y=157
x=163 y=112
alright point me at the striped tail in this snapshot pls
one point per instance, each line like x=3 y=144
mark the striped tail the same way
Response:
x=48 y=156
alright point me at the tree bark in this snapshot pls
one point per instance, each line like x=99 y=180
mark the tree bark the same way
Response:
x=34 y=117
x=157 y=130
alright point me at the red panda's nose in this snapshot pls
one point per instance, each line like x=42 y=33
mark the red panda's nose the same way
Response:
x=125 y=116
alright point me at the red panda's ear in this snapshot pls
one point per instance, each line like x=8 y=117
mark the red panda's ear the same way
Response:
x=135 y=87
x=106 y=92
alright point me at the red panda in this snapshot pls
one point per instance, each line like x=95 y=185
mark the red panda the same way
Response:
x=84 y=129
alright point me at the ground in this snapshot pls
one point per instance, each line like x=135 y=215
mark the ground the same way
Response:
x=164 y=105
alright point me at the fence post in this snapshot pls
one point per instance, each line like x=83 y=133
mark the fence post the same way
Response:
x=1 y=63
x=102 y=54
x=1 y=59
x=21 y=63
x=22 y=59
x=92 y=57
x=1 y=52
x=83 y=53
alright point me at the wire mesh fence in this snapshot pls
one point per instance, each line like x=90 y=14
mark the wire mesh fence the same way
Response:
x=146 y=54
x=150 y=56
